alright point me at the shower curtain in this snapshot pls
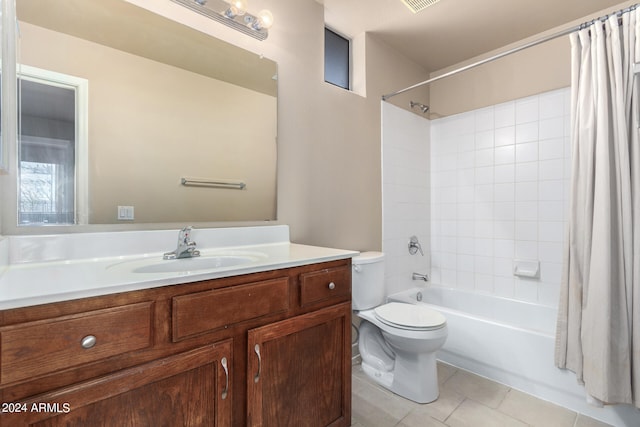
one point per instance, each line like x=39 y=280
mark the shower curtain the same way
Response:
x=598 y=329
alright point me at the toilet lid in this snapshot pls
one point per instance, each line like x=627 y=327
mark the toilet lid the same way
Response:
x=409 y=316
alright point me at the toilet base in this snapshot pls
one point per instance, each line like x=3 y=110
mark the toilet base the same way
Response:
x=416 y=377
x=420 y=386
x=384 y=378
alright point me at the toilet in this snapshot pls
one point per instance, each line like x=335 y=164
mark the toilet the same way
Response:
x=397 y=341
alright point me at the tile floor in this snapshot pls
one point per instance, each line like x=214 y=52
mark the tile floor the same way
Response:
x=465 y=400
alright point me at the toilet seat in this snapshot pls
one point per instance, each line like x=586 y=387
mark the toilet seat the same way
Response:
x=409 y=316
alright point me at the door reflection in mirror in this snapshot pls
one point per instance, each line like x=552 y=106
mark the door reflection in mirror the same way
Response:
x=49 y=148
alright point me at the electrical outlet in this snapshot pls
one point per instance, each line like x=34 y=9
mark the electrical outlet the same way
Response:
x=125 y=213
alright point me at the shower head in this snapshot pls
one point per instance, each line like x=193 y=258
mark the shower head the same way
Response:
x=423 y=108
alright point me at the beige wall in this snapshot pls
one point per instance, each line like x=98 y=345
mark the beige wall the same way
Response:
x=329 y=186
x=538 y=69
x=329 y=173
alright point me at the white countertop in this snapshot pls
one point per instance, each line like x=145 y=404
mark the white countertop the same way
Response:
x=39 y=282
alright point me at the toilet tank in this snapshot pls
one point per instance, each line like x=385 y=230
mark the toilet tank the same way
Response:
x=367 y=285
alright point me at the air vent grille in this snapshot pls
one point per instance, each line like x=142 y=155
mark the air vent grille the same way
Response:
x=417 y=5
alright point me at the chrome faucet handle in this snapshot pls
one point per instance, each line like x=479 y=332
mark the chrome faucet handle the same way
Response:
x=186 y=247
x=183 y=235
x=415 y=246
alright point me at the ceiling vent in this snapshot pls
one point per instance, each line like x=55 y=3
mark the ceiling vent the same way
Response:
x=417 y=5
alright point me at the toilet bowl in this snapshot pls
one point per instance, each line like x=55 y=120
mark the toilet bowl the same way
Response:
x=397 y=341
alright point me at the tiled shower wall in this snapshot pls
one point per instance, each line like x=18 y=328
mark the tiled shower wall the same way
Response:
x=405 y=195
x=499 y=187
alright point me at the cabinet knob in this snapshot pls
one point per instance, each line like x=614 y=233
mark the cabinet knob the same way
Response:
x=88 y=341
x=332 y=285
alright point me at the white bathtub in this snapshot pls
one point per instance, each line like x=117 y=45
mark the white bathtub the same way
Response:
x=511 y=342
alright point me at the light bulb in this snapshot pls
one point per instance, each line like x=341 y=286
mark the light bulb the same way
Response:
x=265 y=20
x=237 y=7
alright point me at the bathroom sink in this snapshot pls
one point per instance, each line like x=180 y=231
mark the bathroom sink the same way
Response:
x=211 y=261
x=191 y=264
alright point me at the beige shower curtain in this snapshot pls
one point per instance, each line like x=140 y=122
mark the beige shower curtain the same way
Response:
x=598 y=330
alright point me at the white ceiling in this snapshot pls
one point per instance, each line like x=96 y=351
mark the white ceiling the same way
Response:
x=452 y=31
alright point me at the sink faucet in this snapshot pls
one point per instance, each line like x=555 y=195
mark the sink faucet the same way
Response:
x=186 y=247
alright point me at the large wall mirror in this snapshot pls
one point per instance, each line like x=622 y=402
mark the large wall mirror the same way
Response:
x=119 y=106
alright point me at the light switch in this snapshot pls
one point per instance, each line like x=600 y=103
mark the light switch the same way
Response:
x=125 y=213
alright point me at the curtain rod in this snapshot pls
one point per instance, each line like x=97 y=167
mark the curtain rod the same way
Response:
x=509 y=52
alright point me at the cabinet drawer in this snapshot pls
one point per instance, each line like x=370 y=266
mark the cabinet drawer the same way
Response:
x=220 y=308
x=324 y=284
x=36 y=348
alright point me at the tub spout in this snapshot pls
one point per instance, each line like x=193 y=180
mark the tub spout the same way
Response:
x=418 y=276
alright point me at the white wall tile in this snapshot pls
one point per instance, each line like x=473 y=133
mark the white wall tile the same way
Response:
x=550 y=231
x=527 y=250
x=465 y=280
x=552 y=104
x=526 y=132
x=527 y=152
x=504 y=211
x=499 y=191
x=466 y=142
x=551 y=149
x=526 y=211
x=527 y=110
x=484 y=175
x=526 y=191
x=504 y=248
x=484 y=139
x=504 y=173
x=551 y=128
x=550 y=210
x=551 y=169
x=466 y=176
x=550 y=190
x=483 y=264
x=484 y=247
x=550 y=252
x=504 y=192
x=526 y=172
x=503 y=286
x=484 y=229
x=484 y=119
x=503 y=267
x=484 y=283
x=505 y=136
x=504 y=230
x=504 y=154
x=526 y=230
x=504 y=114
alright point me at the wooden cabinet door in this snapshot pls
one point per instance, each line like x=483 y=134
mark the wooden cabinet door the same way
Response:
x=299 y=370
x=187 y=389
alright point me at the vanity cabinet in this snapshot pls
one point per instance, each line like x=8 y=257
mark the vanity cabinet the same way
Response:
x=268 y=348
x=187 y=389
x=297 y=370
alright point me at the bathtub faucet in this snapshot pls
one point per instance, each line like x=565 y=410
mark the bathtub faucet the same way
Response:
x=415 y=246
x=418 y=276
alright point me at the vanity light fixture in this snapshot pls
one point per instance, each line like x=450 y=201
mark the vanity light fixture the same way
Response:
x=233 y=14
